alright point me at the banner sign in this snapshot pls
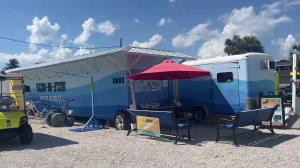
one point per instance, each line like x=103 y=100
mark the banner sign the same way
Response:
x=148 y=126
x=278 y=117
x=56 y=87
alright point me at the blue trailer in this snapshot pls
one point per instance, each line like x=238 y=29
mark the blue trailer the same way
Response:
x=234 y=84
x=69 y=79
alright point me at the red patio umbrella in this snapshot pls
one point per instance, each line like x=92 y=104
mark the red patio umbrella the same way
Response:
x=167 y=70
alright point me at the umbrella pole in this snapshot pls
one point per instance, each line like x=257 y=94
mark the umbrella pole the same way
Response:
x=169 y=91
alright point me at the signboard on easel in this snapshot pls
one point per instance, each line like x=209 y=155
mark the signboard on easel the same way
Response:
x=269 y=101
x=148 y=126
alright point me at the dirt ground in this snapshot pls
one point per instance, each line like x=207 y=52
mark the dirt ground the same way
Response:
x=59 y=147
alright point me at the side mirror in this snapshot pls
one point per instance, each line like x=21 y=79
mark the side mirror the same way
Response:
x=27 y=88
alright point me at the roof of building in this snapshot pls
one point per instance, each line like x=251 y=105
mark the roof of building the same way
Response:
x=220 y=59
x=126 y=50
x=283 y=62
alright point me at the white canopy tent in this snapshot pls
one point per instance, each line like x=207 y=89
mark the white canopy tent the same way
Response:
x=125 y=58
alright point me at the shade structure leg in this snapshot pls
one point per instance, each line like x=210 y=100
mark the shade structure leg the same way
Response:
x=92 y=123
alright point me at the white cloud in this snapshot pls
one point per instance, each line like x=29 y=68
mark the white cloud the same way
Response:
x=163 y=21
x=290 y=4
x=271 y=9
x=106 y=27
x=212 y=48
x=245 y=21
x=172 y=1
x=42 y=55
x=284 y=45
x=82 y=51
x=136 y=21
x=60 y=53
x=150 y=43
x=88 y=26
x=42 y=31
x=199 y=32
x=242 y=21
x=169 y=20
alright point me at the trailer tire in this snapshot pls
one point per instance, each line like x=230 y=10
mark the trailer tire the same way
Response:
x=120 y=121
x=199 y=114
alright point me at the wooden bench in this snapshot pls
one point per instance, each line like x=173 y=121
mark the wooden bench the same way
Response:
x=246 y=118
x=167 y=119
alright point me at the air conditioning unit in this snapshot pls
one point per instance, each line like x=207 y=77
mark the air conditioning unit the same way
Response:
x=268 y=64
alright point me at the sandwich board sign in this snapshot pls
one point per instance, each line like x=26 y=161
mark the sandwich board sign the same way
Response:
x=269 y=101
x=148 y=126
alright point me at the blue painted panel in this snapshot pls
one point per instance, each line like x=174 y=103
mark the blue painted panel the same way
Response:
x=226 y=94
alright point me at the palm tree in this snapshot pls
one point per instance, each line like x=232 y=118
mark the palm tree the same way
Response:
x=295 y=47
x=238 y=45
x=12 y=63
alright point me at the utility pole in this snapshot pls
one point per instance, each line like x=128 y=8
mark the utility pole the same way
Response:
x=294 y=79
x=294 y=82
x=120 y=42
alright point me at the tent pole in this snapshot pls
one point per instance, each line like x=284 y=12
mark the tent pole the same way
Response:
x=131 y=86
x=92 y=96
x=169 y=90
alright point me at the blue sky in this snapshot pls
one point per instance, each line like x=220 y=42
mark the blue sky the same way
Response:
x=192 y=27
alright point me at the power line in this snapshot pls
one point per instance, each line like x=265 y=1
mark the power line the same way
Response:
x=14 y=48
x=46 y=45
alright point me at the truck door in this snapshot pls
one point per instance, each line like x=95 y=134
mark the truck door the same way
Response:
x=225 y=88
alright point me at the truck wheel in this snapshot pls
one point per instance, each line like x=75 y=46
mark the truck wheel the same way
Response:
x=120 y=121
x=57 y=119
x=70 y=121
x=25 y=134
x=199 y=114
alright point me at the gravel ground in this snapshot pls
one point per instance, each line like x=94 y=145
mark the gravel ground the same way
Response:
x=58 y=147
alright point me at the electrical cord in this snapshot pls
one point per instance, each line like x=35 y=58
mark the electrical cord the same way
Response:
x=46 y=45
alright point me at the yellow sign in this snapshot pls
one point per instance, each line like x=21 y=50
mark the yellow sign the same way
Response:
x=148 y=126
x=276 y=82
x=291 y=73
